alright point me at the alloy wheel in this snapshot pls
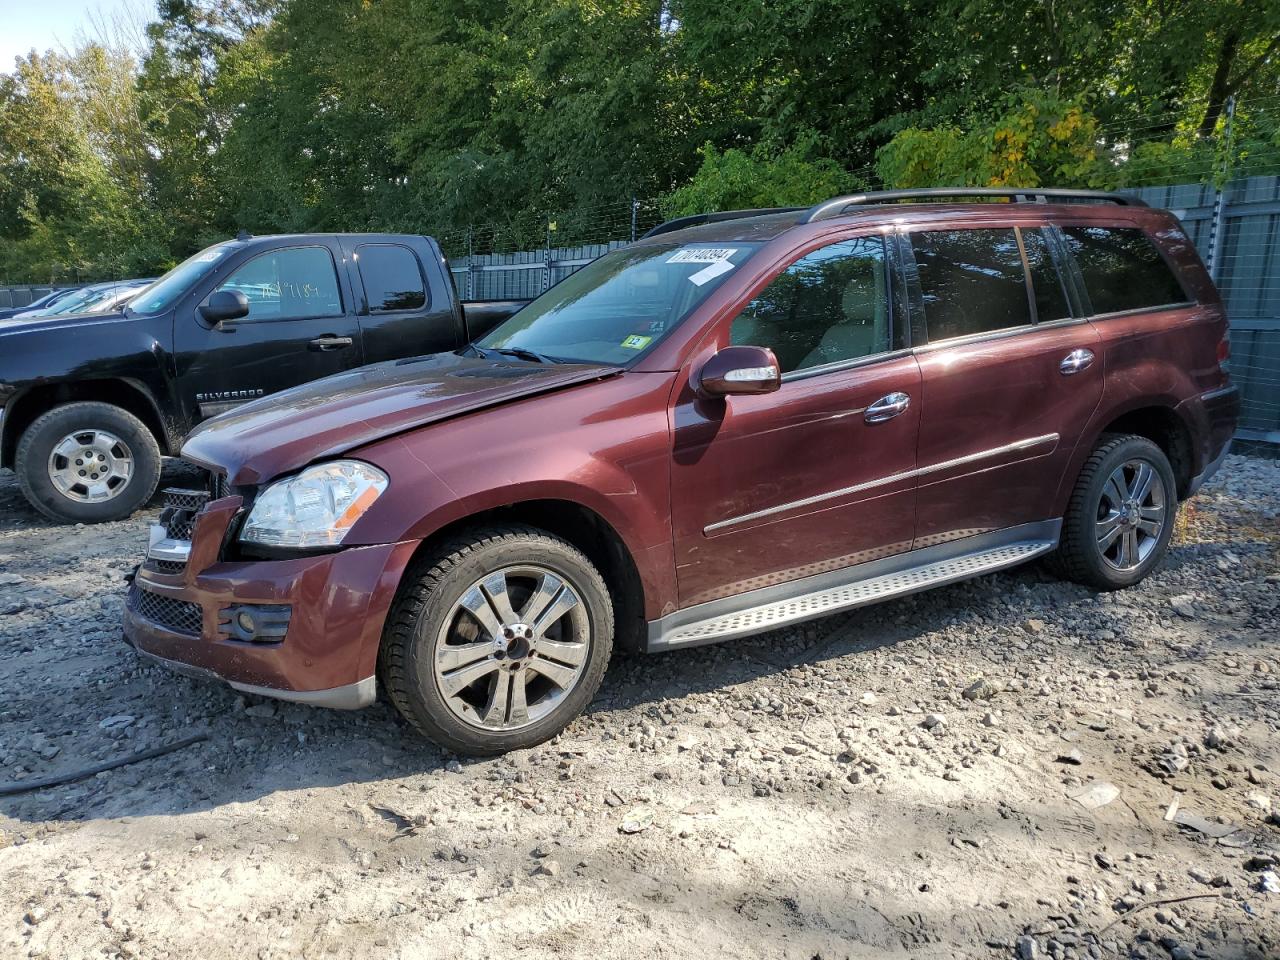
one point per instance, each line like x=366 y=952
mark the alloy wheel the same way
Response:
x=512 y=647
x=91 y=466
x=1131 y=515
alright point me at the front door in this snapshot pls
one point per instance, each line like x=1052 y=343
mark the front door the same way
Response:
x=1009 y=380
x=818 y=475
x=301 y=326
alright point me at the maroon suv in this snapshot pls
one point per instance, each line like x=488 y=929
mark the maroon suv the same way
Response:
x=742 y=421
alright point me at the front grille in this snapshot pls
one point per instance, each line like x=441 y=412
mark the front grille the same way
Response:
x=180 y=616
x=169 y=567
x=180 y=509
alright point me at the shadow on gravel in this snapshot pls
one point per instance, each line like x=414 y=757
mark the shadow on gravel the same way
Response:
x=296 y=748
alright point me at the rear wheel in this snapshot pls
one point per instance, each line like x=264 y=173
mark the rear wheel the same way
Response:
x=498 y=641
x=1121 y=515
x=87 y=462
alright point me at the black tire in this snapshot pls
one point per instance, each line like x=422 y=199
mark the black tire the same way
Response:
x=31 y=462
x=1079 y=556
x=427 y=597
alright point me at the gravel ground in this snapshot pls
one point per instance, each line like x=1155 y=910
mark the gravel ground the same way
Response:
x=988 y=770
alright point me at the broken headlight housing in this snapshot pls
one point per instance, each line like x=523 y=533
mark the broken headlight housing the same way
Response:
x=316 y=508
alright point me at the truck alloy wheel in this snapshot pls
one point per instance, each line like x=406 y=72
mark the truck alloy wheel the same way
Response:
x=87 y=462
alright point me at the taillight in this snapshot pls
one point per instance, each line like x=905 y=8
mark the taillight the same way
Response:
x=1224 y=350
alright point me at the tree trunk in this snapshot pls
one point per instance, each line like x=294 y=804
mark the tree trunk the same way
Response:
x=1220 y=88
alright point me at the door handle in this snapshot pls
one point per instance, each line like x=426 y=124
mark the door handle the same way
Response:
x=1075 y=361
x=887 y=407
x=329 y=342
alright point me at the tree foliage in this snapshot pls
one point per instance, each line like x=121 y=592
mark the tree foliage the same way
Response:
x=436 y=115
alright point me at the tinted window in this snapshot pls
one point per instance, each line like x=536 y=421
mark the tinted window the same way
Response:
x=1122 y=269
x=828 y=306
x=1051 y=295
x=972 y=281
x=289 y=285
x=392 y=278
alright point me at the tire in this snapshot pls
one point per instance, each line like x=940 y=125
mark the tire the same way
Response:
x=1091 y=551
x=432 y=640
x=107 y=496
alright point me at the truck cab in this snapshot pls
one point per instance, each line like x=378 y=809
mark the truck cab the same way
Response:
x=90 y=403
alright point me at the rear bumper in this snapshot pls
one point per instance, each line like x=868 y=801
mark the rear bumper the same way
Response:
x=323 y=615
x=1219 y=414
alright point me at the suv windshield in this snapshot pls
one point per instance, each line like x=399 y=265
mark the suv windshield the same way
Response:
x=616 y=309
x=162 y=294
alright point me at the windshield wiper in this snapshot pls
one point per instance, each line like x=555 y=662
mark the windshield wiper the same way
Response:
x=523 y=354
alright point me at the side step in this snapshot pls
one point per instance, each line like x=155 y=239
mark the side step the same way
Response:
x=862 y=585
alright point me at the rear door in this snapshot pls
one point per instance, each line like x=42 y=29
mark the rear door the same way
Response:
x=403 y=308
x=1009 y=377
x=301 y=326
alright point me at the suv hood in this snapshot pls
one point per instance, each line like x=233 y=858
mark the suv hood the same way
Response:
x=286 y=431
x=57 y=321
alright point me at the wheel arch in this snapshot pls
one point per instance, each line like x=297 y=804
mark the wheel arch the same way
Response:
x=1155 y=418
x=585 y=529
x=123 y=392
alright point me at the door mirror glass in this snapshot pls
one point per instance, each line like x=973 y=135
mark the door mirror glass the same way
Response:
x=740 y=370
x=224 y=305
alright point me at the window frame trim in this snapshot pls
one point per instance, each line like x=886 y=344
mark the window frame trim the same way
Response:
x=343 y=311
x=364 y=287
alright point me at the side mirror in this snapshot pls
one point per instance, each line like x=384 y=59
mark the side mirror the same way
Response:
x=224 y=305
x=737 y=370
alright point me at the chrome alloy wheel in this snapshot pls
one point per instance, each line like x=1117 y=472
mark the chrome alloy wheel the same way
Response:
x=512 y=648
x=1131 y=515
x=91 y=466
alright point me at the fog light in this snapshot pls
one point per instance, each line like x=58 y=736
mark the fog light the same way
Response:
x=254 y=622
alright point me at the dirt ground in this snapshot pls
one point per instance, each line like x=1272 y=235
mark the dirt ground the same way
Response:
x=987 y=770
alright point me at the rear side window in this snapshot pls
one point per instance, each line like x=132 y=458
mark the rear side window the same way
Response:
x=392 y=278
x=972 y=281
x=1122 y=269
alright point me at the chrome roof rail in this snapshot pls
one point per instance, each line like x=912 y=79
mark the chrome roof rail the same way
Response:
x=841 y=205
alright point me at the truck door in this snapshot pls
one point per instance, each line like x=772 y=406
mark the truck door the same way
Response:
x=301 y=326
x=404 y=309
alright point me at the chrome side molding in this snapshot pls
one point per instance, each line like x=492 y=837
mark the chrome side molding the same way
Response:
x=1018 y=446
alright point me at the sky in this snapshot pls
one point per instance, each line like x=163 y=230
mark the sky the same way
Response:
x=43 y=24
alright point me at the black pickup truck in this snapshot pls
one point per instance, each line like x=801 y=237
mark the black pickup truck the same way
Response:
x=90 y=403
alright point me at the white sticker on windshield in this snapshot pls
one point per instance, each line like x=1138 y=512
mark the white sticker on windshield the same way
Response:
x=703 y=255
x=209 y=255
x=711 y=272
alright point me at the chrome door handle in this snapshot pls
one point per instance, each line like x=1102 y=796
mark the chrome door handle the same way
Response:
x=887 y=407
x=330 y=342
x=1075 y=361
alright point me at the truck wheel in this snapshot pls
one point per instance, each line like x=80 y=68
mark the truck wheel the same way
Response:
x=1120 y=518
x=87 y=463
x=497 y=641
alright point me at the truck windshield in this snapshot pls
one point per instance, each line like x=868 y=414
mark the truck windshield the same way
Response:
x=165 y=292
x=616 y=309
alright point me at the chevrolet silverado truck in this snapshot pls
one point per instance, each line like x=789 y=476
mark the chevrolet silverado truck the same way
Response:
x=739 y=422
x=89 y=403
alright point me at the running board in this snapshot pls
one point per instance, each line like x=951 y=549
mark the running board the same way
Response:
x=858 y=586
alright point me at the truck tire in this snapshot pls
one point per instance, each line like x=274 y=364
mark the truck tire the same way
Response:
x=87 y=462
x=497 y=640
x=1120 y=517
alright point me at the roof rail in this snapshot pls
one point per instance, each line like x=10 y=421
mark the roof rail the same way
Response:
x=699 y=218
x=838 y=206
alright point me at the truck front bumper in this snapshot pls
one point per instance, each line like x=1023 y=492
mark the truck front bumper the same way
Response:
x=305 y=629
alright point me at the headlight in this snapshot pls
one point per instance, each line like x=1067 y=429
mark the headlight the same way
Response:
x=316 y=508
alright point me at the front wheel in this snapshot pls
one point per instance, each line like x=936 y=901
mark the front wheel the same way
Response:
x=1121 y=515
x=498 y=641
x=87 y=462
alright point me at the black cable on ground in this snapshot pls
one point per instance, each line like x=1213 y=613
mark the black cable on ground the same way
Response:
x=24 y=786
